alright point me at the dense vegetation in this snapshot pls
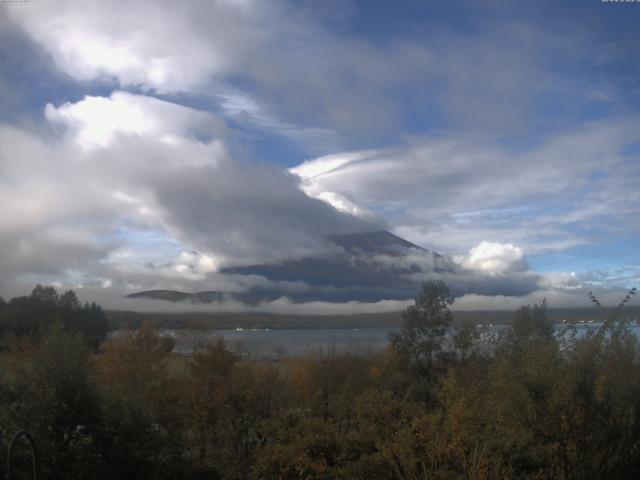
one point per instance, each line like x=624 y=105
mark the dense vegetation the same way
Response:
x=535 y=405
x=33 y=316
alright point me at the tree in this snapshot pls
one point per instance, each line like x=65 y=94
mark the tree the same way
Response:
x=327 y=385
x=45 y=294
x=34 y=315
x=52 y=396
x=463 y=340
x=532 y=323
x=426 y=321
x=205 y=391
x=69 y=300
x=140 y=437
x=417 y=353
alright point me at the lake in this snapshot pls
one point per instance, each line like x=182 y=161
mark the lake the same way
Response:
x=289 y=342
x=285 y=342
x=275 y=343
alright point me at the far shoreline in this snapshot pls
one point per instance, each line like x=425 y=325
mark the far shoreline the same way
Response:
x=122 y=319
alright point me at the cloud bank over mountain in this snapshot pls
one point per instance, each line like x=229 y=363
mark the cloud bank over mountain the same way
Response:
x=131 y=162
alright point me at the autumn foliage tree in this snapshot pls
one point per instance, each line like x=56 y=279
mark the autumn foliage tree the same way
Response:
x=141 y=432
x=536 y=402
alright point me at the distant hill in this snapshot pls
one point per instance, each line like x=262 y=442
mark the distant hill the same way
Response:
x=176 y=296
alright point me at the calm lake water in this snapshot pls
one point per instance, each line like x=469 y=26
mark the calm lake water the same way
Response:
x=298 y=342
x=285 y=342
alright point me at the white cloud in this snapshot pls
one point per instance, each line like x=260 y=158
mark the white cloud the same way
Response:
x=495 y=258
x=156 y=45
x=311 y=170
x=339 y=202
x=136 y=160
x=96 y=121
x=561 y=281
x=556 y=298
x=315 y=79
x=110 y=165
x=193 y=194
x=450 y=192
x=161 y=48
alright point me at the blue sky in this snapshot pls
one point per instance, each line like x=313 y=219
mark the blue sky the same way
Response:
x=470 y=129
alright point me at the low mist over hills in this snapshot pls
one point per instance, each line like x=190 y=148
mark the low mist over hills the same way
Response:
x=366 y=267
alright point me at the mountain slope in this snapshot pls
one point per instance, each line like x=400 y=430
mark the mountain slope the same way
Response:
x=367 y=266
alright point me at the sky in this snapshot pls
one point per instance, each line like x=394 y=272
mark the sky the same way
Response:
x=149 y=144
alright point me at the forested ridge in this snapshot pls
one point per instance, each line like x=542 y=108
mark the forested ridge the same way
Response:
x=538 y=404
